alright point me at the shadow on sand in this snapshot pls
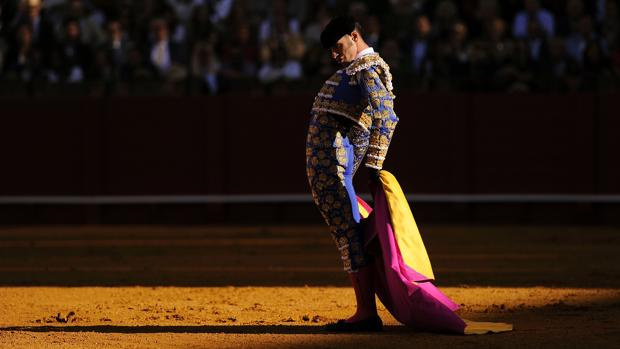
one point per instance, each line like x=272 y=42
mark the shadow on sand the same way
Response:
x=239 y=329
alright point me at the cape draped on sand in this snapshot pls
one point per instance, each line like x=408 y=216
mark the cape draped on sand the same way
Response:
x=404 y=273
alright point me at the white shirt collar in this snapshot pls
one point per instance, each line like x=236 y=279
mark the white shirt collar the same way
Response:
x=364 y=52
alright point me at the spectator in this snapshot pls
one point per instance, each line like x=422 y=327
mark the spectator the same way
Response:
x=391 y=53
x=489 y=54
x=372 y=32
x=559 y=60
x=268 y=72
x=313 y=30
x=201 y=28
x=116 y=48
x=272 y=44
x=397 y=22
x=74 y=58
x=497 y=43
x=419 y=46
x=597 y=73
x=23 y=60
x=298 y=9
x=278 y=26
x=239 y=55
x=446 y=16
x=486 y=12
x=359 y=11
x=165 y=56
x=600 y=9
x=451 y=60
x=292 y=69
x=30 y=12
x=102 y=74
x=144 y=18
x=42 y=28
x=183 y=9
x=577 y=41
x=91 y=32
x=536 y=43
x=516 y=75
x=206 y=69
x=561 y=72
x=610 y=23
x=533 y=11
x=569 y=23
x=136 y=70
x=222 y=9
x=458 y=54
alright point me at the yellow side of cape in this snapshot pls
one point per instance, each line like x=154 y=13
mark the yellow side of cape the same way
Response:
x=405 y=229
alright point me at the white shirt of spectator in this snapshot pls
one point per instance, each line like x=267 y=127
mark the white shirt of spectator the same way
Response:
x=76 y=74
x=222 y=9
x=419 y=52
x=268 y=73
x=160 y=56
x=535 y=47
x=292 y=70
x=211 y=81
x=184 y=9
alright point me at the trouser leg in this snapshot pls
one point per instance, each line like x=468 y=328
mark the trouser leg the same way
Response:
x=330 y=164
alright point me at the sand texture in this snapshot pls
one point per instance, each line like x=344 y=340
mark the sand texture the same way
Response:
x=275 y=287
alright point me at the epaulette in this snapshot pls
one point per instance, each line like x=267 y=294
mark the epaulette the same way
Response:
x=367 y=61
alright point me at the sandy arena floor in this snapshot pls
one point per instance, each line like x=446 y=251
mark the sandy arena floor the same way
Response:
x=274 y=287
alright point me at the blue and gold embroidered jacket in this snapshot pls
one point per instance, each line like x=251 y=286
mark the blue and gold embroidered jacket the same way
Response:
x=362 y=92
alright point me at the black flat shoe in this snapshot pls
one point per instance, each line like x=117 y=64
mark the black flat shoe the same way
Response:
x=372 y=324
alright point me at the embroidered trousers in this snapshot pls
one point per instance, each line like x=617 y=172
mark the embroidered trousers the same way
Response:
x=335 y=148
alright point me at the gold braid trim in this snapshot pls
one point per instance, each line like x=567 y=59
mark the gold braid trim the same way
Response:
x=367 y=61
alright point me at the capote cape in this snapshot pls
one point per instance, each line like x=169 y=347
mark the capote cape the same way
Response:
x=404 y=273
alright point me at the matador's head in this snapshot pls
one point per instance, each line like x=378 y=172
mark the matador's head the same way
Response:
x=343 y=38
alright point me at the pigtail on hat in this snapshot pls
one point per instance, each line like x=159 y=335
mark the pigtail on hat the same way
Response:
x=335 y=29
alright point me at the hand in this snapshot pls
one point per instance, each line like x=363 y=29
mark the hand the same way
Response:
x=374 y=181
x=373 y=174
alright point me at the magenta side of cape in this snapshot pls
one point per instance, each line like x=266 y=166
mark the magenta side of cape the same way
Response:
x=417 y=304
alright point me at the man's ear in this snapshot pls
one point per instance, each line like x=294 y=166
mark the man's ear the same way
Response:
x=354 y=35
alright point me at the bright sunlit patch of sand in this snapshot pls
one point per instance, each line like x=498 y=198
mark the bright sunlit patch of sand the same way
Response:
x=127 y=306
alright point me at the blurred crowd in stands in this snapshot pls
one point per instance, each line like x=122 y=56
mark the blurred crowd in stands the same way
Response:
x=190 y=47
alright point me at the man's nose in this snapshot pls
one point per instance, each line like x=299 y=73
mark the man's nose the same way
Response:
x=334 y=54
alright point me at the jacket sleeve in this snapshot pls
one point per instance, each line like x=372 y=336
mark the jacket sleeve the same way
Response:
x=381 y=110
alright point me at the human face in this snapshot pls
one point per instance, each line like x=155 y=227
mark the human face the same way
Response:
x=73 y=30
x=345 y=49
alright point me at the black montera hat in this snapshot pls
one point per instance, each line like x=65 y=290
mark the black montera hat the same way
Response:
x=335 y=29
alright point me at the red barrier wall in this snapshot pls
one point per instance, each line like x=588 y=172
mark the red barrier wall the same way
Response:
x=241 y=144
